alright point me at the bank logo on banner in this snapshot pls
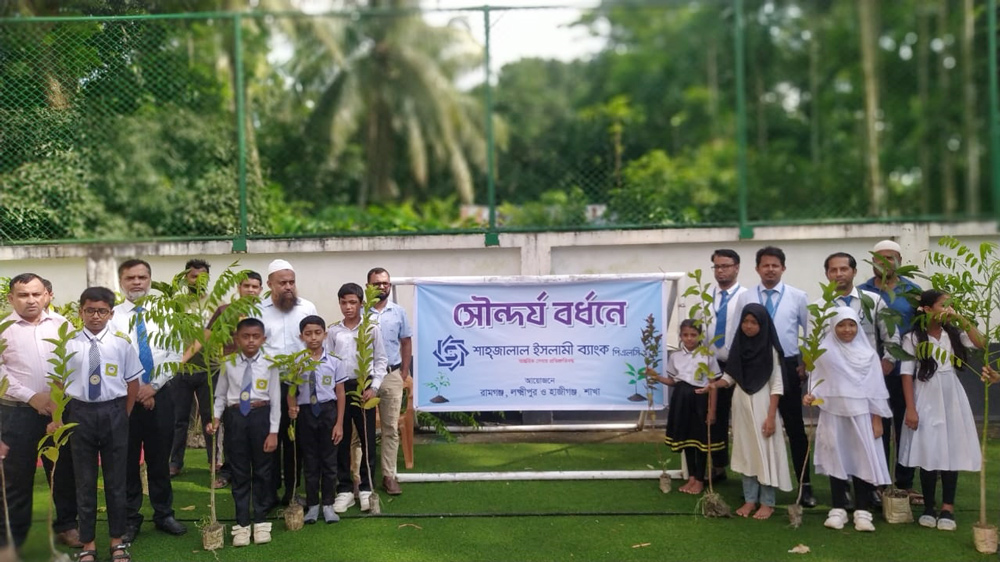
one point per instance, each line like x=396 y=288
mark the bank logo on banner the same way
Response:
x=534 y=346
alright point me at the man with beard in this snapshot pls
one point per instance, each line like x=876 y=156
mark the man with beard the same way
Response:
x=26 y=409
x=151 y=424
x=397 y=339
x=281 y=315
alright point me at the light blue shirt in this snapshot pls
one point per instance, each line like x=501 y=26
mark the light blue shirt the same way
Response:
x=119 y=365
x=327 y=375
x=790 y=315
x=395 y=326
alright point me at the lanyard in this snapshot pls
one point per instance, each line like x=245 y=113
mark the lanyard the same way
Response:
x=763 y=300
x=715 y=292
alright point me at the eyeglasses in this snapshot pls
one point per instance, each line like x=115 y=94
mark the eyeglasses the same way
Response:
x=381 y=284
x=724 y=266
x=102 y=312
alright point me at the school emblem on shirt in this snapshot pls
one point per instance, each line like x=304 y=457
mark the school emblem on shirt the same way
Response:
x=262 y=384
x=327 y=379
x=95 y=379
x=110 y=370
x=245 y=395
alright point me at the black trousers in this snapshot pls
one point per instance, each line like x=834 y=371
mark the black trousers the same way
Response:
x=23 y=427
x=696 y=462
x=897 y=403
x=184 y=389
x=928 y=487
x=251 y=467
x=839 y=489
x=102 y=430
x=285 y=474
x=355 y=417
x=723 y=413
x=151 y=434
x=790 y=407
x=319 y=455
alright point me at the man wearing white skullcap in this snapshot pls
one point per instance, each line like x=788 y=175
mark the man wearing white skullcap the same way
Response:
x=281 y=315
x=899 y=293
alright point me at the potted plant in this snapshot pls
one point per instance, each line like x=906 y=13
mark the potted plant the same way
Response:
x=182 y=314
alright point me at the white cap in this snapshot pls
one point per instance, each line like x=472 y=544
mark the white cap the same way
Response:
x=278 y=265
x=888 y=245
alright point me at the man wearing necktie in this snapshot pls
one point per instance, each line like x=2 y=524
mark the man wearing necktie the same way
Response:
x=788 y=308
x=151 y=421
x=726 y=269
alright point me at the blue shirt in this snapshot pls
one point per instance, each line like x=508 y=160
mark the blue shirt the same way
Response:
x=898 y=302
x=395 y=326
x=791 y=313
x=327 y=375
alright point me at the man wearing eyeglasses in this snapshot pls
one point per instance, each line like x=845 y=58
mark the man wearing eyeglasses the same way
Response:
x=151 y=424
x=26 y=409
x=397 y=338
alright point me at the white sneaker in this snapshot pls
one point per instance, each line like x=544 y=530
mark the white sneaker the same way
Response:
x=366 y=500
x=241 y=535
x=836 y=519
x=863 y=521
x=927 y=521
x=946 y=522
x=261 y=533
x=329 y=514
x=343 y=501
x=312 y=514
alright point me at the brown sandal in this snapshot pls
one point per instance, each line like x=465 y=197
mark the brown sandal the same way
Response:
x=916 y=498
x=120 y=553
x=90 y=555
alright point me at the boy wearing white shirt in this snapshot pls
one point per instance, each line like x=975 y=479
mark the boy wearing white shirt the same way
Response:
x=102 y=385
x=248 y=401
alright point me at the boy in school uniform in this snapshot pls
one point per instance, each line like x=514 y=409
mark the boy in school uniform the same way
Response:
x=248 y=401
x=319 y=409
x=102 y=385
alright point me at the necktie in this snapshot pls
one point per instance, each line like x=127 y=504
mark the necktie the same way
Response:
x=145 y=353
x=94 y=388
x=769 y=305
x=847 y=300
x=313 y=398
x=720 y=320
x=245 y=393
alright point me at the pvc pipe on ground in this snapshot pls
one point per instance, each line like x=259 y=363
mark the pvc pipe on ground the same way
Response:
x=532 y=475
x=537 y=428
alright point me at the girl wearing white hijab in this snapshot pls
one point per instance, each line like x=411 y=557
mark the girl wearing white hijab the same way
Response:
x=847 y=386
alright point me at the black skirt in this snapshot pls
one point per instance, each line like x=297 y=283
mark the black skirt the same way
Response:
x=686 y=426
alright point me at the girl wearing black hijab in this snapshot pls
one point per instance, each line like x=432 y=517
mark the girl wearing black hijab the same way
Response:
x=758 y=453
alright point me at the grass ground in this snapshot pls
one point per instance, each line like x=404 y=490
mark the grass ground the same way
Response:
x=577 y=520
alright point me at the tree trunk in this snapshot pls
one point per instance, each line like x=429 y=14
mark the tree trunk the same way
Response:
x=945 y=130
x=868 y=13
x=926 y=116
x=969 y=95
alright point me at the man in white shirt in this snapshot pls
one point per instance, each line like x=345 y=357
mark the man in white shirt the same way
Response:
x=281 y=315
x=725 y=296
x=788 y=308
x=151 y=424
x=26 y=409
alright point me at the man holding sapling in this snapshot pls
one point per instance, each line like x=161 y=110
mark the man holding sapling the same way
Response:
x=725 y=318
x=397 y=339
x=281 y=315
x=27 y=408
x=899 y=294
x=151 y=423
x=788 y=308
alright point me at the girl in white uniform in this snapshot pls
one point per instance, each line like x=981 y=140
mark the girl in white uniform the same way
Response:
x=759 y=452
x=939 y=434
x=847 y=386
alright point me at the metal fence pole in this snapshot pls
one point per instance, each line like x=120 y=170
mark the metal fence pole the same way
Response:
x=739 y=51
x=994 y=108
x=492 y=237
x=240 y=242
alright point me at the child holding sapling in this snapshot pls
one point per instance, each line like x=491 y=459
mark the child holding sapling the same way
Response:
x=847 y=386
x=939 y=434
x=688 y=413
x=758 y=448
x=319 y=409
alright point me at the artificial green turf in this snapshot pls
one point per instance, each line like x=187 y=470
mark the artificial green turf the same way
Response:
x=560 y=520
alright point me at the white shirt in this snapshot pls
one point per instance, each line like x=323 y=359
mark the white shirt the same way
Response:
x=869 y=315
x=683 y=365
x=119 y=365
x=282 y=328
x=25 y=362
x=326 y=377
x=943 y=344
x=732 y=320
x=340 y=340
x=266 y=385
x=791 y=312
x=123 y=321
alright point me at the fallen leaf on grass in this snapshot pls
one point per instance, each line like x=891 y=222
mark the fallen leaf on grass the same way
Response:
x=410 y=525
x=800 y=549
x=640 y=545
x=188 y=508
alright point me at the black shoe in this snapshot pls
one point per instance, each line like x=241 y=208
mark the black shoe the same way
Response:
x=719 y=476
x=808 y=500
x=171 y=526
x=285 y=500
x=131 y=532
x=876 y=500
